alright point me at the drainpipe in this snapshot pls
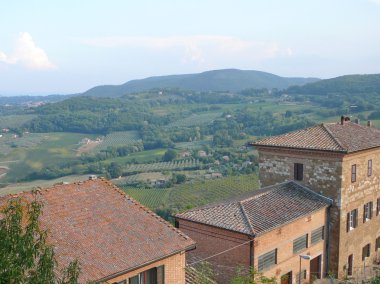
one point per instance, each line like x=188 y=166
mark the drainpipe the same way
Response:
x=327 y=258
x=251 y=253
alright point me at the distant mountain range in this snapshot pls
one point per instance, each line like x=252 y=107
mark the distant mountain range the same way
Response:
x=217 y=80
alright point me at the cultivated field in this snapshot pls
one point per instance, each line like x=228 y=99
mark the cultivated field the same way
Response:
x=194 y=194
x=162 y=166
x=196 y=119
x=14 y=121
x=121 y=138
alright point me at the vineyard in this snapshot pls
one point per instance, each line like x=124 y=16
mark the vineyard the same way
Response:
x=162 y=166
x=195 y=119
x=121 y=138
x=194 y=194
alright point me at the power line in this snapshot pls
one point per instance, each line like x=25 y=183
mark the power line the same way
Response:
x=227 y=250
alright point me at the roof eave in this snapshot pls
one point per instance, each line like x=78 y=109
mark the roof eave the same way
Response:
x=299 y=148
x=109 y=277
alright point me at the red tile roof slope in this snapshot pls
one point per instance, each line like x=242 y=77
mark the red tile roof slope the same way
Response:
x=264 y=210
x=105 y=229
x=346 y=138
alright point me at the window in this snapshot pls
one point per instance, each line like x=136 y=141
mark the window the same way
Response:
x=353 y=173
x=152 y=276
x=378 y=207
x=366 y=251
x=367 y=214
x=352 y=220
x=317 y=235
x=377 y=243
x=120 y=282
x=350 y=263
x=303 y=276
x=369 y=168
x=300 y=244
x=267 y=260
x=298 y=171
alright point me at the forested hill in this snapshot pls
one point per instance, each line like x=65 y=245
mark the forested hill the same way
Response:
x=349 y=84
x=217 y=80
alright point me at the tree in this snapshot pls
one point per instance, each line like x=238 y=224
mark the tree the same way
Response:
x=25 y=256
x=252 y=276
x=115 y=170
x=169 y=155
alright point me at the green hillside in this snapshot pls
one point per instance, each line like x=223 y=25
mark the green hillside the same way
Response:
x=349 y=84
x=216 y=80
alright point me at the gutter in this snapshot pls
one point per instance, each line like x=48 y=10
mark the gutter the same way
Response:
x=109 y=277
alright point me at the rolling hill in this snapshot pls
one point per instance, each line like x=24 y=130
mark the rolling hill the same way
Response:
x=216 y=80
x=348 y=84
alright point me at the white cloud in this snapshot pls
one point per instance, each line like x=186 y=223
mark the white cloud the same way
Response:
x=26 y=53
x=199 y=48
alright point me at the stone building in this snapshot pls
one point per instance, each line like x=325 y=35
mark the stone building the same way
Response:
x=114 y=238
x=339 y=161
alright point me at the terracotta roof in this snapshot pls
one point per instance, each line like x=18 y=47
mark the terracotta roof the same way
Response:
x=261 y=211
x=105 y=229
x=346 y=138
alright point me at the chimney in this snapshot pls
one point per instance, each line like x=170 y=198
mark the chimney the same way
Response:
x=344 y=119
x=369 y=123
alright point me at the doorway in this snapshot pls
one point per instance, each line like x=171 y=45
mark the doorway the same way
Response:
x=286 y=278
x=315 y=268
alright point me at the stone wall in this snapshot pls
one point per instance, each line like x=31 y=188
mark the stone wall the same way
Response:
x=354 y=196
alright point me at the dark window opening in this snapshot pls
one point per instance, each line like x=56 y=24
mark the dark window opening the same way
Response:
x=366 y=251
x=378 y=243
x=298 y=171
x=350 y=262
x=378 y=207
x=152 y=276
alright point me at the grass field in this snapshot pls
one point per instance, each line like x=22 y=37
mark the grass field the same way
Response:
x=14 y=121
x=27 y=186
x=194 y=194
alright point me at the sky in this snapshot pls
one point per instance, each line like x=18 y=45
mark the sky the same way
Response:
x=64 y=47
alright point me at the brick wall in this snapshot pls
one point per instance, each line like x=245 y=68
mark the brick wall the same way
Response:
x=174 y=267
x=211 y=241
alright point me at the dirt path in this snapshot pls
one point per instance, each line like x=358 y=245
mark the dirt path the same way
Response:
x=3 y=171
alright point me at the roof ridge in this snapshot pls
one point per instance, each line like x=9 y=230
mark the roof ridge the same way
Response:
x=336 y=140
x=246 y=217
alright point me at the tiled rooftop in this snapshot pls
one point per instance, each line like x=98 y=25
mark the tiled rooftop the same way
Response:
x=105 y=229
x=262 y=210
x=346 y=138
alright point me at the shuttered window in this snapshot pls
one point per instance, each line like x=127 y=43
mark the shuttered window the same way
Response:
x=352 y=220
x=353 y=173
x=369 y=168
x=350 y=263
x=367 y=212
x=317 y=235
x=378 y=207
x=303 y=276
x=377 y=243
x=267 y=260
x=366 y=251
x=300 y=244
x=298 y=171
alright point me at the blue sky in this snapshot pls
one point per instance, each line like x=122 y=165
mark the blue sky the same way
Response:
x=69 y=46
